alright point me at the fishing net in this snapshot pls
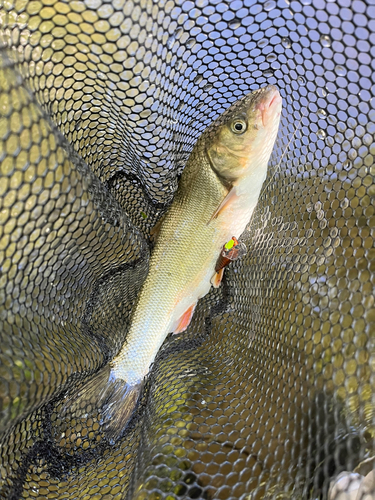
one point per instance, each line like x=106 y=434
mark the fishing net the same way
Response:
x=270 y=391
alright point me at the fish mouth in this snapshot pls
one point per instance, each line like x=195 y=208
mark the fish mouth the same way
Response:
x=269 y=103
x=275 y=99
x=269 y=95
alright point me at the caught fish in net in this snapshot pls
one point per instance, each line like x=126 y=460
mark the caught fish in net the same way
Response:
x=267 y=389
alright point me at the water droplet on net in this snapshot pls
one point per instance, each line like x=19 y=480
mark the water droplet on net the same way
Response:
x=178 y=32
x=345 y=203
x=321 y=134
x=262 y=43
x=268 y=73
x=286 y=42
x=270 y=5
x=332 y=120
x=301 y=80
x=234 y=24
x=334 y=232
x=340 y=70
x=271 y=57
x=352 y=154
x=321 y=113
x=325 y=41
x=190 y=43
x=318 y=206
x=321 y=92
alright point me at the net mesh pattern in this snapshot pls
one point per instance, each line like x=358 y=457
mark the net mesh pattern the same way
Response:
x=270 y=391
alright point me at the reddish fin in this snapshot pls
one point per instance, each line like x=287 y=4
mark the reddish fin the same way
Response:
x=185 y=319
x=224 y=204
x=217 y=277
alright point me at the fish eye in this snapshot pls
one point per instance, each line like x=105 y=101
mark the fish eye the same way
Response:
x=238 y=126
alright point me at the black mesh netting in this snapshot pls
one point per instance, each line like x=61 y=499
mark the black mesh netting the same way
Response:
x=270 y=392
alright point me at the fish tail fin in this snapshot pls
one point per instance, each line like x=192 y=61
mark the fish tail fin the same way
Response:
x=113 y=399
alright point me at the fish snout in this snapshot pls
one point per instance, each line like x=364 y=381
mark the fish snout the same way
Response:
x=269 y=103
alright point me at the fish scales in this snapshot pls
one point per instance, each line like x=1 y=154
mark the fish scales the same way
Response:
x=186 y=248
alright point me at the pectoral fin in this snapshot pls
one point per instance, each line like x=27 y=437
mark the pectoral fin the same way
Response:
x=230 y=197
x=185 y=319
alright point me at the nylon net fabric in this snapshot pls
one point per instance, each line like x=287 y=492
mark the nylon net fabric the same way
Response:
x=270 y=391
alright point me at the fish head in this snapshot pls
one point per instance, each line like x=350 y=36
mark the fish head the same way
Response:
x=240 y=142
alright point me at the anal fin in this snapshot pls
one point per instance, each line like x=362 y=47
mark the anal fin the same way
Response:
x=217 y=278
x=185 y=319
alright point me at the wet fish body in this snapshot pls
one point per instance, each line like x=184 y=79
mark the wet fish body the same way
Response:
x=217 y=195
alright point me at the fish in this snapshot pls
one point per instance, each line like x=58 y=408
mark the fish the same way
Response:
x=217 y=194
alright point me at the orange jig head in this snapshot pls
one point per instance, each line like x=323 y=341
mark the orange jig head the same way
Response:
x=232 y=250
